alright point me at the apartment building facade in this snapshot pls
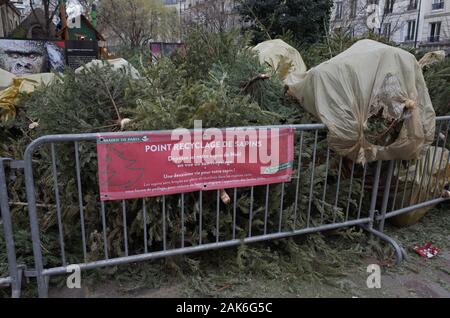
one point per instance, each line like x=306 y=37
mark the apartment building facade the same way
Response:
x=214 y=15
x=415 y=23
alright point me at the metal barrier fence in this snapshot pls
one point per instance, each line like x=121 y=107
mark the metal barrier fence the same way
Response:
x=265 y=216
x=326 y=192
x=417 y=184
x=14 y=272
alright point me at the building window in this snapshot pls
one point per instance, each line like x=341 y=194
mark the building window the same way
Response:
x=387 y=30
x=338 y=11
x=437 y=5
x=412 y=5
x=389 y=6
x=435 y=31
x=353 y=8
x=411 y=30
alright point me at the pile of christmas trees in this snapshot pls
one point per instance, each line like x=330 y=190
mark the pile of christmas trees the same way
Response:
x=213 y=80
x=216 y=79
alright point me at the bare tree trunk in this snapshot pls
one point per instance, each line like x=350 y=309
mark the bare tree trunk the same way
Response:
x=47 y=18
x=48 y=14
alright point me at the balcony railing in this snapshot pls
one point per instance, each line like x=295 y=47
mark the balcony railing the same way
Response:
x=433 y=38
x=437 y=6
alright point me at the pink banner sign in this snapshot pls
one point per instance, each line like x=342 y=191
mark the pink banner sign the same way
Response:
x=155 y=164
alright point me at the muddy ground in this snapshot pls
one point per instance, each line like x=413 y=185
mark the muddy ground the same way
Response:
x=416 y=277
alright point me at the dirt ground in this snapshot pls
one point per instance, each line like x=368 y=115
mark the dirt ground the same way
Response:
x=416 y=277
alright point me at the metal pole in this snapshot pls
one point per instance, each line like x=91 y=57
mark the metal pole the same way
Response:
x=8 y=231
x=417 y=24
x=34 y=223
x=181 y=23
x=373 y=199
x=387 y=188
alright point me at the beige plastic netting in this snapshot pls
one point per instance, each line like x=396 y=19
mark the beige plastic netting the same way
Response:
x=283 y=58
x=368 y=84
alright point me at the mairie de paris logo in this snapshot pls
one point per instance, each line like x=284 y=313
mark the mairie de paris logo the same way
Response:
x=112 y=140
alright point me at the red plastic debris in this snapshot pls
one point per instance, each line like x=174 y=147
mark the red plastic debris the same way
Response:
x=428 y=250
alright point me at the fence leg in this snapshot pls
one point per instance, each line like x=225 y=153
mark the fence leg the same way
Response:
x=400 y=253
x=373 y=198
x=34 y=224
x=8 y=231
x=16 y=288
x=387 y=189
